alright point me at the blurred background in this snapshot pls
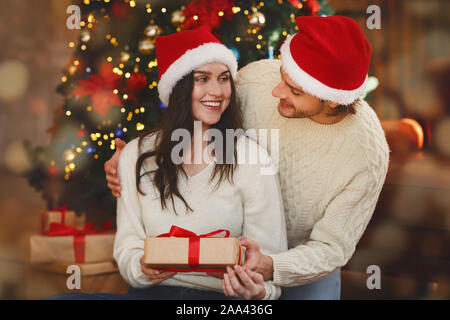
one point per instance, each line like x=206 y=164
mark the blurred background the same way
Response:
x=66 y=94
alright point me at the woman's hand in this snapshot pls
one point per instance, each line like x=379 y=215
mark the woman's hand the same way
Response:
x=111 y=169
x=243 y=283
x=156 y=276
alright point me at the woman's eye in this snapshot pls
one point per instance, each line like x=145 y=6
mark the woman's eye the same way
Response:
x=202 y=79
x=296 y=93
x=224 y=79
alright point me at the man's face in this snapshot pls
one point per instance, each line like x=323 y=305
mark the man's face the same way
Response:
x=294 y=102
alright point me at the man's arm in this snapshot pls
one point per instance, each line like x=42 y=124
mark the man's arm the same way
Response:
x=111 y=169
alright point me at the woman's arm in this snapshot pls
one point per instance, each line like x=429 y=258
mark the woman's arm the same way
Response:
x=130 y=236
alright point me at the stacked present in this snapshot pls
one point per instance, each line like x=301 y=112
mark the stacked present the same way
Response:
x=61 y=240
x=66 y=240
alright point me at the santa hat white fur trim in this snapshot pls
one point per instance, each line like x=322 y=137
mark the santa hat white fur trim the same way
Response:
x=192 y=59
x=313 y=86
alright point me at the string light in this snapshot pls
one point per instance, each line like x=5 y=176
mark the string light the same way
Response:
x=236 y=10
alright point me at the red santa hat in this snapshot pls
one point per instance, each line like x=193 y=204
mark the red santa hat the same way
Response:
x=180 y=53
x=329 y=58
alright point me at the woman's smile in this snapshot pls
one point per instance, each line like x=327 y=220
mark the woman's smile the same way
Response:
x=213 y=105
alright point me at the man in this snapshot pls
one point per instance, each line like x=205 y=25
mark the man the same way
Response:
x=333 y=155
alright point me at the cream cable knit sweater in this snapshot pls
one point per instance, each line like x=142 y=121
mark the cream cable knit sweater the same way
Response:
x=330 y=176
x=251 y=207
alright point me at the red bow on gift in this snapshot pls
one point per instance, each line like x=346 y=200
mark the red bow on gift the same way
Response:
x=59 y=229
x=194 y=247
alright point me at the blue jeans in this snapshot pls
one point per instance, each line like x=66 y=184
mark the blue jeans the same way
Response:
x=328 y=288
x=157 y=292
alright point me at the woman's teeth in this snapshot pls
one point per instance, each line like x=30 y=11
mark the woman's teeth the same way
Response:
x=211 y=104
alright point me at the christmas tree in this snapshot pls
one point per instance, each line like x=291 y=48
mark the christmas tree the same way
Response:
x=110 y=85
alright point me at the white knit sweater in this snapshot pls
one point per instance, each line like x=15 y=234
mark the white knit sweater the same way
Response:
x=330 y=176
x=251 y=207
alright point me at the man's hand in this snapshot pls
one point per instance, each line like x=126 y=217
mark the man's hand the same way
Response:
x=255 y=260
x=156 y=276
x=243 y=283
x=111 y=169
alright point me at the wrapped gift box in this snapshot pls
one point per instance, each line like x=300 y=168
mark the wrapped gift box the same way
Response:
x=44 y=280
x=173 y=252
x=88 y=248
x=62 y=216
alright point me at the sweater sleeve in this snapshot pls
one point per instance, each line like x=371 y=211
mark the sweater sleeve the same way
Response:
x=264 y=219
x=130 y=236
x=254 y=84
x=334 y=237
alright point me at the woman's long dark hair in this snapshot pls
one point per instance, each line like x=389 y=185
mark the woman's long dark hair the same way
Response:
x=178 y=114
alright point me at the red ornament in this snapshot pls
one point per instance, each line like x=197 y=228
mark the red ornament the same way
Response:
x=120 y=10
x=56 y=115
x=53 y=170
x=312 y=7
x=136 y=82
x=81 y=133
x=295 y=3
x=200 y=13
x=100 y=88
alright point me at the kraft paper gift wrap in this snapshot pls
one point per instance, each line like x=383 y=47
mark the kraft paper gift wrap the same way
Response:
x=62 y=216
x=173 y=253
x=87 y=248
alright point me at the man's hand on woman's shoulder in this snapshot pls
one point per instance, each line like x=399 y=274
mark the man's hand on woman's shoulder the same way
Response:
x=111 y=169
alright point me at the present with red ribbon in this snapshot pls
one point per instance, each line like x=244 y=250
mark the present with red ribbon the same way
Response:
x=182 y=250
x=60 y=215
x=68 y=244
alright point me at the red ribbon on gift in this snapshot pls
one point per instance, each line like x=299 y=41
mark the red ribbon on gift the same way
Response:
x=79 y=244
x=63 y=209
x=194 y=247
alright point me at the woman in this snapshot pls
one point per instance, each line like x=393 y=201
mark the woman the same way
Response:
x=193 y=184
